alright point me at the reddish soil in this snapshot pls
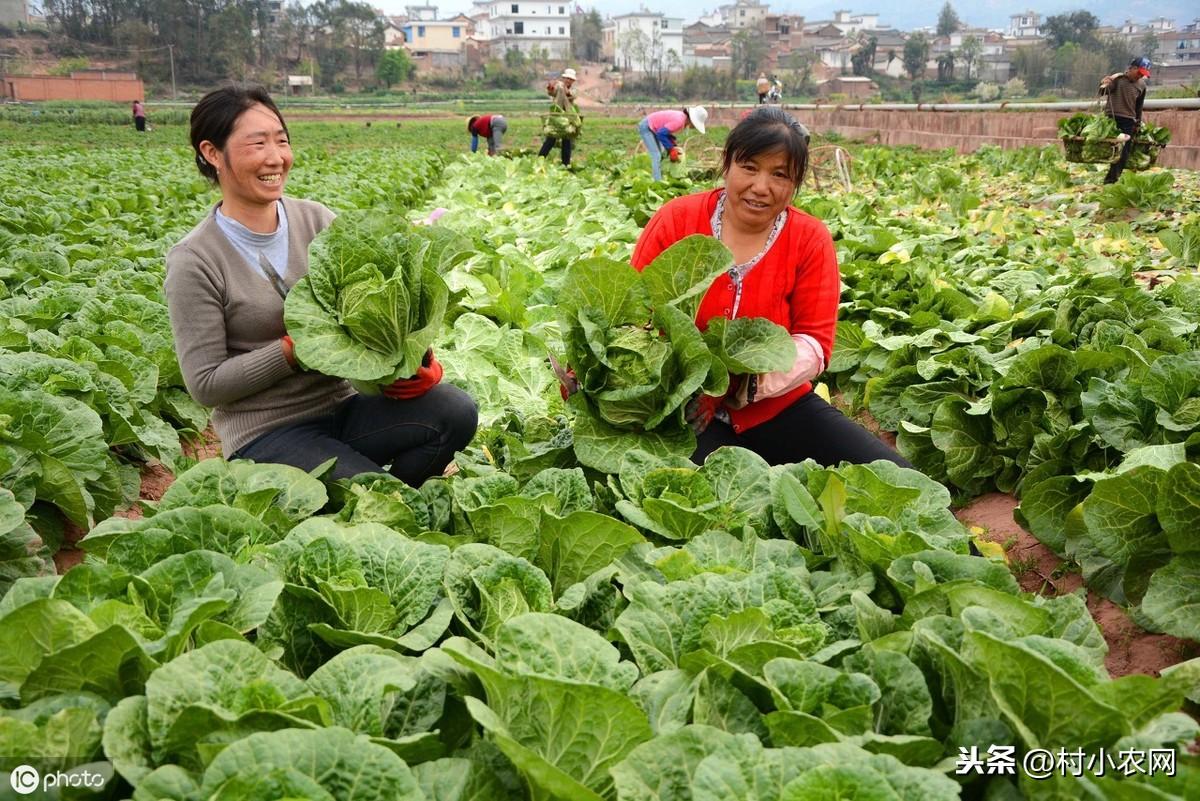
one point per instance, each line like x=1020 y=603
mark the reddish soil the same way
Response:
x=1131 y=649
x=155 y=480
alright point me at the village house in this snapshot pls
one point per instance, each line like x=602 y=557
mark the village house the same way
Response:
x=854 y=87
x=529 y=27
x=1027 y=25
x=645 y=41
x=438 y=44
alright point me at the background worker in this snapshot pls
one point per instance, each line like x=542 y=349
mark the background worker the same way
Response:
x=562 y=98
x=1125 y=93
x=659 y=128
x=139 y=115
x=762 y=86
x=491 y=127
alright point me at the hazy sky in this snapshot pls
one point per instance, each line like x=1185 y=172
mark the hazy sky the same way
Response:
x=902 y=14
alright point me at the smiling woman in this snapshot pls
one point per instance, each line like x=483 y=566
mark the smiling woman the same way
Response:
x=785 y=270
x=226 y=284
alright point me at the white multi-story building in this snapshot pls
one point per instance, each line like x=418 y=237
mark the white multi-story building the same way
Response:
x=1028 y=24
x=13 y=12
x=421 y=13
x=646 y=40
x=526 y=26
x=480 y=14
x=744 y=14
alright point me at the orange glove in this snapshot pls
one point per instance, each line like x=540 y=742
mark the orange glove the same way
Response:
x=428 y=375
x=673 y=154
x=289 y=350
x=701 y=410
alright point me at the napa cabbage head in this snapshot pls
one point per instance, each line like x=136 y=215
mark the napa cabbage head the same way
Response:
x=639 y=357
x=374 y=298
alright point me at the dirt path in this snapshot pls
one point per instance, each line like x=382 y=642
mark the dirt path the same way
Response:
x=1131 y=649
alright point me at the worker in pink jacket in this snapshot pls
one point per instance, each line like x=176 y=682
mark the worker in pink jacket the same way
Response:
x=658 y=132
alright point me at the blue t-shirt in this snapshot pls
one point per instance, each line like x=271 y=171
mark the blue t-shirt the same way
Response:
x=255 y=247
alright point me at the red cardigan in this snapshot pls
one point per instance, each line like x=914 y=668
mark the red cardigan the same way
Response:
x=483 y=126
x=796 y=284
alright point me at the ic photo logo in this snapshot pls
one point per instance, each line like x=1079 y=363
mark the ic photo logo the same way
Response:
x=24 y=779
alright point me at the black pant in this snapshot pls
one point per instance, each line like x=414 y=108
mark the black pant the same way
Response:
x=808 y=429
x=548 y=145
x=417 y=437
x=139 y=123
x=1127 y=126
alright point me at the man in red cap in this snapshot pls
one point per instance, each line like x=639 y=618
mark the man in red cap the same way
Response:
x=1126 y=92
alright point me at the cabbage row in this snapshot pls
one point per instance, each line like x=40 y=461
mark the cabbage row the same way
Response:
x=669 y=634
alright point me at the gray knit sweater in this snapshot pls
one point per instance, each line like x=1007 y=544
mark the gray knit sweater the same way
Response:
x=228 y=323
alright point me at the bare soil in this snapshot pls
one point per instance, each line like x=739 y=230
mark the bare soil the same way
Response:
x=1131 y=649
x=155 y=480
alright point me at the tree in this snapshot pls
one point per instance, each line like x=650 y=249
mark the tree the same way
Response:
x=969 y=52
x=635 y=45
x=1079 y=69
x=393 y=66
x=945 y=66
x=1149 y=45
x=514 y=58
x=364 y=34
x=1014 y=87
x=749 y=49
x=863 y=61
x=1033 y=65
x=1118 y=52
x=674 y=62
x=1078 y=27
x=801 y=63
x=916 y=53
x=948 y=21
x=587 y=35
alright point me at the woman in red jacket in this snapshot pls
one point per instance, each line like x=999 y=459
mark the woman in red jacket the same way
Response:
x=491 y=127
x=786 y=271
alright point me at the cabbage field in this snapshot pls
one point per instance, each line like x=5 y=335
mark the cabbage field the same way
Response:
x=571 y=614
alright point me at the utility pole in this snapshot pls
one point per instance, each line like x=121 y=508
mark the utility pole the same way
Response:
x=171 y=53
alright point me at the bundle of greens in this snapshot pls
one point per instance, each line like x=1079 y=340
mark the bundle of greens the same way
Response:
x=373 y=300
x=1149 y=141
x=562 y=124
x=639 y=356
x=1157 y=134
x=1073 y=125
x=1089 y=138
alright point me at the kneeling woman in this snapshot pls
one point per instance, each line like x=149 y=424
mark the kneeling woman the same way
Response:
x=225 y=287
x=786 y=271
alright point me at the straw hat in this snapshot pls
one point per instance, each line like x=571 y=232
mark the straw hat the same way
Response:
x=698 y=115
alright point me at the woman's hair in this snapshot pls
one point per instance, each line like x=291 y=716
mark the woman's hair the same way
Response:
x=471 y=125
x=769 y=129
x=214 y=116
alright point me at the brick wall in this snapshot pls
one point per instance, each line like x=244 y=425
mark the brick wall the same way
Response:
x=967 y=131
x=47 y=87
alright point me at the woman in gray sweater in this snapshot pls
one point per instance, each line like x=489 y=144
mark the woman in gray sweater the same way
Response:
x=225 y=287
